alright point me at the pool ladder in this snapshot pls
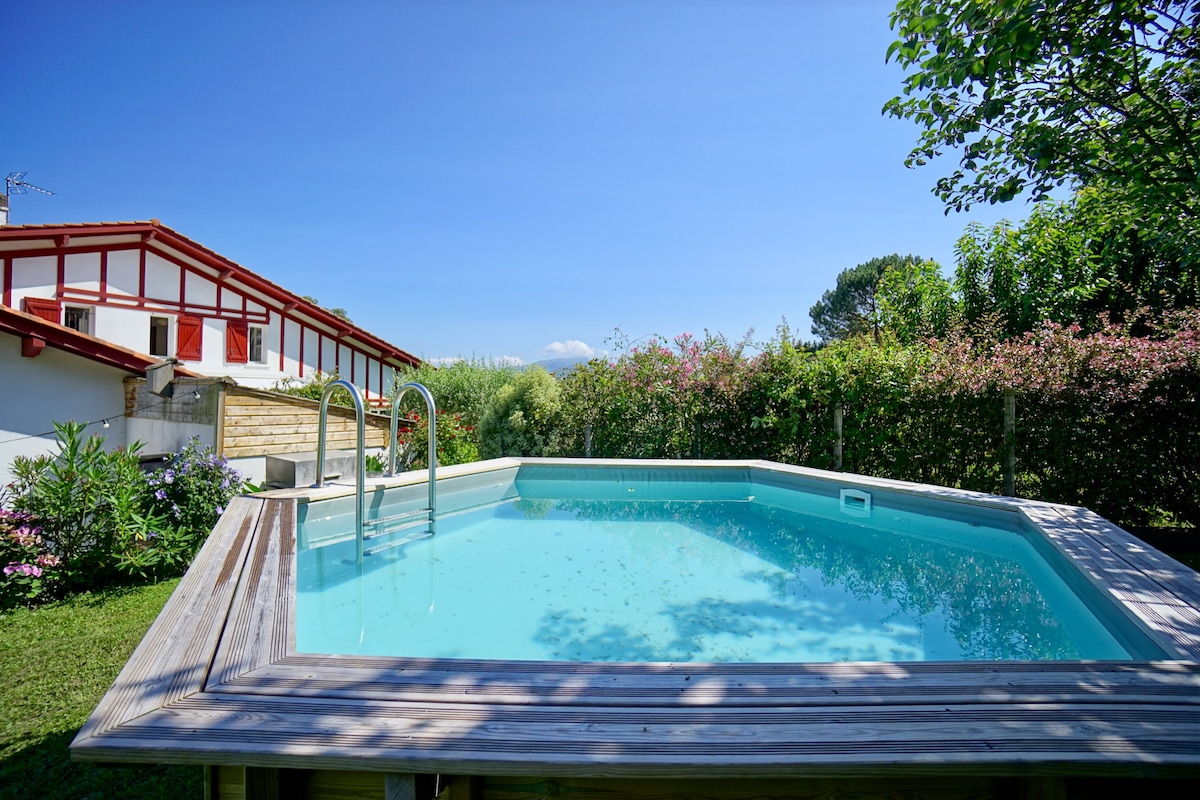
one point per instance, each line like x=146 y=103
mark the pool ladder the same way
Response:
x=395 y=522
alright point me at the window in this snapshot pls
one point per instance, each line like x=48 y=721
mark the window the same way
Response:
x=244 y=343
x=255 y=340
x=79 y=318
x=158 y=336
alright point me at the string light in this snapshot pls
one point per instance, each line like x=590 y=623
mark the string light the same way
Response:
x=105 y=423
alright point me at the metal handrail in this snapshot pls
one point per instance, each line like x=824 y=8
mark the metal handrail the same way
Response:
x=431 y=413
x=360 y=416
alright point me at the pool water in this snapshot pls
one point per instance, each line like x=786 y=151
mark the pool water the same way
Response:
x=636 y=571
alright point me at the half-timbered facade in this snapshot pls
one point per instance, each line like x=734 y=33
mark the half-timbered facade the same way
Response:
x=147 y=288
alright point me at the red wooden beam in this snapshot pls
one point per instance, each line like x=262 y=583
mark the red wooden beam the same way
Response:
x=32 y=346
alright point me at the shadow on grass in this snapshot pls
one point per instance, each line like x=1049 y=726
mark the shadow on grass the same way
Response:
x=44 y=770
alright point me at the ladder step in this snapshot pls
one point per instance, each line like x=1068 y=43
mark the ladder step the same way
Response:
x=405 y=516
x=396 y=527
x=379 y=548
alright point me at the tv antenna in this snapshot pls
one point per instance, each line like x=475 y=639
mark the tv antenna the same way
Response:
x=15 y=183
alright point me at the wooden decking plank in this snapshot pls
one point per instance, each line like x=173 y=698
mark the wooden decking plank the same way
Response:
x=494 y=740
x=1182 y=581
x=257 y=633
x=1110 y=565
x=1182 y=623
x=308 y=676
x=173 y=658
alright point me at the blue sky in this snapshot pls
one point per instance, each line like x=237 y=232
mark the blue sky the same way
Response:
x=491 y=179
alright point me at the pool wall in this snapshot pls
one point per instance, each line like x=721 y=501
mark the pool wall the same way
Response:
x=217 y=681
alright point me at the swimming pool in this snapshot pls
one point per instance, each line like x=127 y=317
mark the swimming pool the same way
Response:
x=222 y=679
x=655 y=564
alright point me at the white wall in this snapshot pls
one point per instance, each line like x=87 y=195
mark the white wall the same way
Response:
x=53 y=387
x=34 y=277
x=160 y=437
x=129 y=327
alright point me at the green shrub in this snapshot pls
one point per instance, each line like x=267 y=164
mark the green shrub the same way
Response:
x=455 y=441
x=89 y=503
x=1105 y=420
x=313 y=388
x=86 y=517
x=464 y=387
x=525 y=417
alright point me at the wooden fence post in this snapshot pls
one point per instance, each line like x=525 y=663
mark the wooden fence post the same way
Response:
x=837 y=430
x=1010 y=444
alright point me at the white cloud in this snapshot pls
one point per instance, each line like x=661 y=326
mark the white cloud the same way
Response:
x=571 y=348
x=509 y=361
x=444 y=362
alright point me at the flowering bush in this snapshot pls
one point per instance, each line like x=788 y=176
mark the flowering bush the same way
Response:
x=1106 y=420
x=464 y=387
x=455 y=441
x=192 y=490
x=30 y=568
x=660 y=399
x=100 y=519
x=88 y=502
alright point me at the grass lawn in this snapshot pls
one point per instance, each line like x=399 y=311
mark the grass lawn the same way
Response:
x=55 y=664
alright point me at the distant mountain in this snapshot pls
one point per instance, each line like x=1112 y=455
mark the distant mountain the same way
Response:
x=560 y=366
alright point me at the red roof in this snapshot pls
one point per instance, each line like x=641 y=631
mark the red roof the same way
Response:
x=70 y=340
x=163 y=236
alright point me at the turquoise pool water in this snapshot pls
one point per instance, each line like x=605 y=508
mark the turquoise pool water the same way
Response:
x=646 y=567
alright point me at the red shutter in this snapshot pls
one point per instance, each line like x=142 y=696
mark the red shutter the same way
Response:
x=189 y=330
x=236 y=350
x=50 y=310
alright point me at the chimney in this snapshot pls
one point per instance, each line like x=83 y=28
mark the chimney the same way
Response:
x=3 y=209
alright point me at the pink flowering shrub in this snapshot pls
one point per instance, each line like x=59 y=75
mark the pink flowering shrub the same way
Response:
x=455 y=441
x=29 y=568
x=1107 y=420
x=660 y=399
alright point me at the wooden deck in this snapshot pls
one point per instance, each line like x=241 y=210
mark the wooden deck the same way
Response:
x=217 y=681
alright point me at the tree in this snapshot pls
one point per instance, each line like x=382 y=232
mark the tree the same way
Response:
x=1070 y=263
x=524 y=418
x=337 y=312
x=851 y=308
x=1102 y=93
x=916 y=302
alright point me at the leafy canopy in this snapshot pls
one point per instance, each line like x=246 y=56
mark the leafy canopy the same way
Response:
x=851 y=308
x=1102 y=93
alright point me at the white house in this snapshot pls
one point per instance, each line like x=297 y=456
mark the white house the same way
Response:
x=150 y=293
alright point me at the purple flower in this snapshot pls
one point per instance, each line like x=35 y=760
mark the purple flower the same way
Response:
x=169 y=476
x=160 y=495
x=220 y=510
x=15 y=567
